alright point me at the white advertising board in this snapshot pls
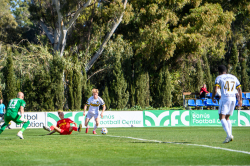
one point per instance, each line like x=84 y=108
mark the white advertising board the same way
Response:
x=110 y=118
x=37 y=120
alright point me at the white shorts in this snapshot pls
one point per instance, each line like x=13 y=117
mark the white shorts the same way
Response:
x=227 y=107
x=91 y=114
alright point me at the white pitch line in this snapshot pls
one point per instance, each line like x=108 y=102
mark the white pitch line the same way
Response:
x=206 y=146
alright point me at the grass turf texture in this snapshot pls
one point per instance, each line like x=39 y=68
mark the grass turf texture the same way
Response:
x=88 y=149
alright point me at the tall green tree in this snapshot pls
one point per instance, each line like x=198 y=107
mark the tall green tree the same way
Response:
x=165 y=94
x=77 y=84
x=119 y=86
x=42 y=86
x=7 y=21
x=86 y=87
x=199 y=76
x=57 y=85
x=30 y=93
x=10 y=83
x=234 y=60
x=70 y=90
x=142 y=90
x=106 y=97
x=207 y=74
x=244 y=76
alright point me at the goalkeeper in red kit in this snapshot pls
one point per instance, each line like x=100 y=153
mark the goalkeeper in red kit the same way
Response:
x=63 y=126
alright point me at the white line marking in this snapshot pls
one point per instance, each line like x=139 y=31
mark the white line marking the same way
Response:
x=206 y=146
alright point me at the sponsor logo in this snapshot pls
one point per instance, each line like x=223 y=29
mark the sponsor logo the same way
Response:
x=244 y=118
x=166 y=118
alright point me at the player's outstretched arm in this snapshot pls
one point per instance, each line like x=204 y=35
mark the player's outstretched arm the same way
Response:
x=103 y=109
x=214 y=92
x=22 y=114
x=240 y=96
x=85 y=107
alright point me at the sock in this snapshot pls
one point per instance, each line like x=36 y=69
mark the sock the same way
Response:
x=225 y=126
x=229 y=127
x=25 y=125
x=51 y=128
x=74 y=128
x=95 y=127
x=87 y=126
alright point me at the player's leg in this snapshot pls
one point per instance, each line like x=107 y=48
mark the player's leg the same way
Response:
x=71 y=128
x=57 y=129
x=230 y=113
x=16 y=119
x=9 y=125
x=6 y=122
x=97 y=120
x=87 y=119
x=223 y=111
x=229 y=127
x=51 y=128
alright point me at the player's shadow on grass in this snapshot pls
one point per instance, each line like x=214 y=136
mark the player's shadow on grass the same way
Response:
x=163 y=142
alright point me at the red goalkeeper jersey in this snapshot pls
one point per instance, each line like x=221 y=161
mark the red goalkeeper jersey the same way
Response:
x=64 y=123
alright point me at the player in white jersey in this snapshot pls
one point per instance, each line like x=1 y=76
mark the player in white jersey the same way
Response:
x=227 y=84
x=94 y=103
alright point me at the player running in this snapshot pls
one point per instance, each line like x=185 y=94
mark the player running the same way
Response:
x=12 y=114
x=94 y=103
x=63 y=126
x=227 y=84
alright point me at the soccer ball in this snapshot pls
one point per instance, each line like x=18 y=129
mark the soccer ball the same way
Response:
x=104 y=130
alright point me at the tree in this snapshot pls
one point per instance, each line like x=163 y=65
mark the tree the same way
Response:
x=10 y=83
x=30 y=94
x=106 y=98
x=7 y=21
x=244 y=77
x=57 y=86
x=70 y=90
x=199 y=76
x=234 y=61
x=119 y=86
x=57 y=18
x=86 y=87
x=75 y=87
x=42 y=86
x=208 y=77
x=163 y=88
x=142 y=91
x=77 y=84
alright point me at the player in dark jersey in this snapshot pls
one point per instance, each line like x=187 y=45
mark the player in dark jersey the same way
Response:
x=63 y=126
x=12 y=114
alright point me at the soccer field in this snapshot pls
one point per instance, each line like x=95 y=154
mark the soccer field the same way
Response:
x=127 y=146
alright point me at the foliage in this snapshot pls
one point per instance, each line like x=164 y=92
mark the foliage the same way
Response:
x=7 y=21
x=244 y=76
x=57 y=86
x=159 y=50
x=106 y=97
x=233 y=63
x=199 y=76
x=10 y=88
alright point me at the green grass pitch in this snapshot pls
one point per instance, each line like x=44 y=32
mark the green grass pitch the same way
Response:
x=159 y=146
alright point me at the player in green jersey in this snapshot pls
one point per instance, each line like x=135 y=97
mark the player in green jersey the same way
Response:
x=12 y=114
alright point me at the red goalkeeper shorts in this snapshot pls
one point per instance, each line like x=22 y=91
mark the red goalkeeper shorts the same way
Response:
x=65 y=131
